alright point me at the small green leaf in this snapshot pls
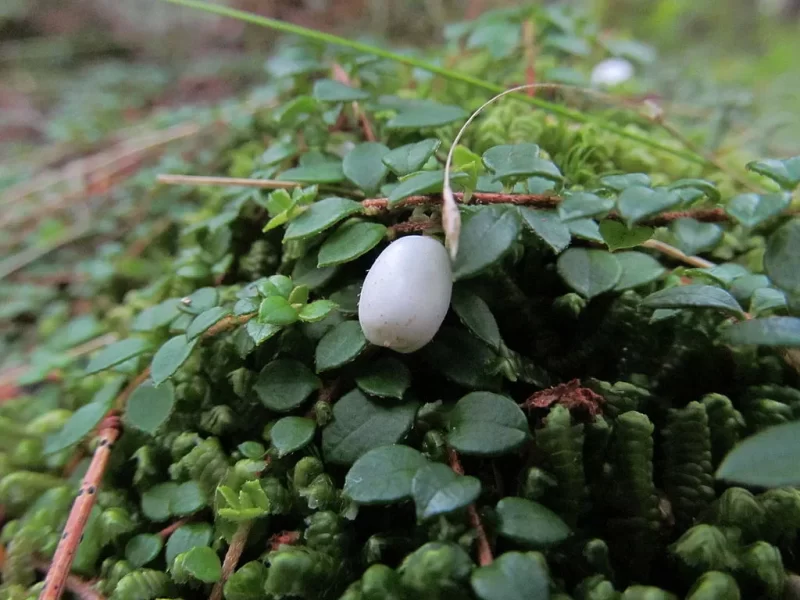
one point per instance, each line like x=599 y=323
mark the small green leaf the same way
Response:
x=316 y=311
x=785 y=172
x=186 y=499
x=247 y=583
x=160 y=315
x=351 y=240
x=292 y=433
x=637 y=202
x=770 y=458
x=328 y=90
x=637 y=269
x=586 y=229
x=411 y=157
x=693 y=296
x=589 y=272
x=744 y=287
x=306 y=272
x=620 y=182
x=361 y=424
x=284 y=385
x=771 y=331
x=476 y=315
x=339 y=346
x=512 y=160
x=530 y=523
x=752 y=210
x=424 y=182
x=201 y=563
x=278 y=152
x=364 y=166
x=186 y=537
x=708 y=188
x=487 y=424
x=579 y=205
x=500 y=37
x=117 y=353
x=437 y=490
x=170 y=357
x=320 y=216
x=299 y=295
x=199 y=301
x=383 y=475
x=85 y=419
x=547 y=226
x=486 y=237
x=276 y=285
x=692 y=236
x=463 y=358
x=618 y=236
x=143 y=548
x=260 y=332
x=157 y=499
x=276 y=310
x=149 y=407
x=764 y=299
x=327 y=172
x=513 y=576
x=385 y=378
x=426 y=114
x=782 y=258
x=253 y=450
x=205 y=320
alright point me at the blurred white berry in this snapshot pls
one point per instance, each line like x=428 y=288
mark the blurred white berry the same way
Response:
x=611 y=72
x=406 y=294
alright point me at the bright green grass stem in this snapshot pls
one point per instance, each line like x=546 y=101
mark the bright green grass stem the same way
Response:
x=426 y=66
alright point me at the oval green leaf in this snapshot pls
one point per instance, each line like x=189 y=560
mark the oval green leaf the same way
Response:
x=589 y=272
x=364 y=166
x=411 y=157
x=383 y=475
x=487 y=424
x=320 y=216
x=437 y=490
x=285 y=384
x=149 y=407
x=513 y=576
x=292 y=433
x=771 y=458
x=530 y=523
x=143 y=548
x=486 y=237
x=693 y=296
x=339 y=346
x=117 y=353
x=782 y=258
x=771 y=331
x=349 y=241
x=205 y=320
x=170 y=357
x=476 y=315
x=386 y=378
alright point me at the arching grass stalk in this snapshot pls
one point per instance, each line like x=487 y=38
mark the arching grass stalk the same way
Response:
x=426 y=66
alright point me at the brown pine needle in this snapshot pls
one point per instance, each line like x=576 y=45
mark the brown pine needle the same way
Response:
x=196 y=180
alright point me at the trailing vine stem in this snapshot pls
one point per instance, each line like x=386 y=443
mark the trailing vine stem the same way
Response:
x=484 y=548
x=238 y=542
x=109 y=431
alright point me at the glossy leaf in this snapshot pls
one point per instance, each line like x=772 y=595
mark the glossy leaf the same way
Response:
x=156 y=501
x=638 y=269
x=142 y=549
x=486 y=424
x=463 y=359
x=186 y=499
x=618 y=236
x=149 y=407
x=361 y=424
x=782 y=258
x=339 y=346
x=411 y=157
x=426 y=114
x=437 y=490
x=160 y=315
x=316 y=311
x=530 y=523
x=770 y=458
x=276 y=310
x=320 y=216
x=692 y=236
x=476 y=316
x=486 y=236
x=285 y=384
x=364 y=166
x=512 y=576
x=587 y=229
x=201 y=563
x=328 y=90
x=205 y=321
x=589 y=272
x=186 y=537
x=386 y=378
x=351 y=240
x=547 y=226
x=292 y=433
x=579 y=205
x=708 y=188
x=170 y=357
x=785 y=172
x=383 y=475
x=117 y=353
x=693 y=296
x=637 y=202
x=512 y=160
x=752 y=209
x=770 y=331
x=764 y=299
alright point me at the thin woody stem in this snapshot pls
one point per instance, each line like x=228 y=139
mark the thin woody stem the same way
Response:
x=232 y=557
x=484 y=549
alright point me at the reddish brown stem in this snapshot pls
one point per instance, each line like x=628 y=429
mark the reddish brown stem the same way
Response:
x=538 y=200
x=58 y=573
x=339 y=74
x=170 y=529
x=83 y=590
x=232 y=558
x=484 y=549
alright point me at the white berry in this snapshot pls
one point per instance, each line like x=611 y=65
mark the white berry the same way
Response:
x=406 y=294
x=611 y=72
